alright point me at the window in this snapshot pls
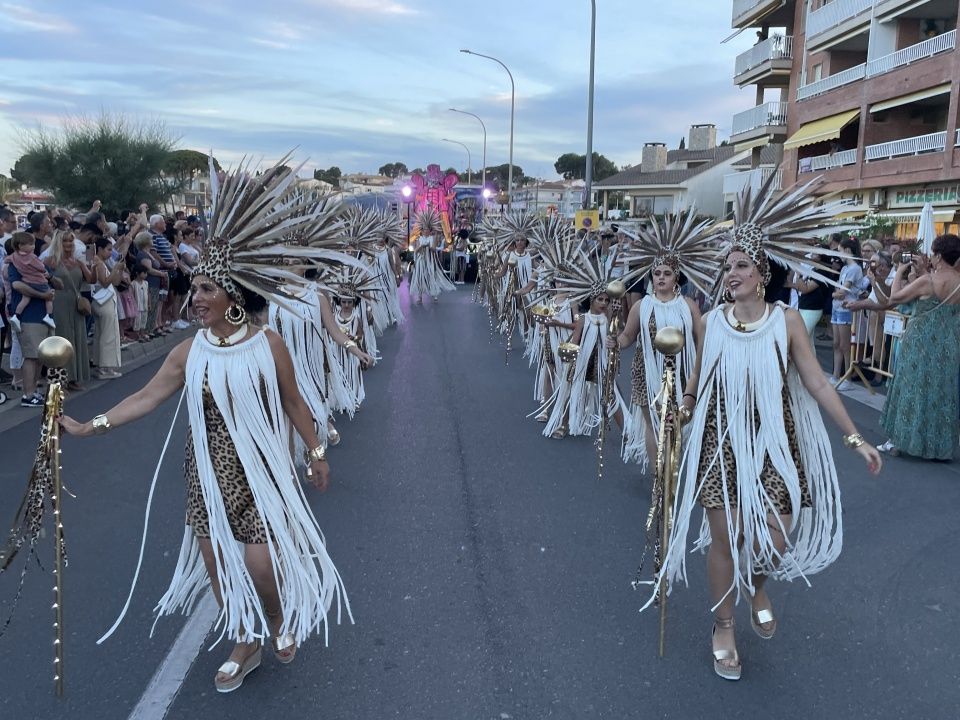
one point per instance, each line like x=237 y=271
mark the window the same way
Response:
x=817 y=72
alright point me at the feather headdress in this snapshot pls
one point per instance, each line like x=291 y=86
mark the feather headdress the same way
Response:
x=584 y=275
x=264 y=234
x=681 y=242
x=361 y=229
x=784 y=229
x=513 y=226
x=353 y=283
x=554 y=240
x=391 y=230
x=428 y=222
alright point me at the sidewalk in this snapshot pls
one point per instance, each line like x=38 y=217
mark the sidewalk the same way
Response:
x=133 y=356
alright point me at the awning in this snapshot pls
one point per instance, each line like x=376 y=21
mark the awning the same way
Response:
x=751 y=144
x=913 y=216
x=827 y=128
x=847 y=214
x=912 y=97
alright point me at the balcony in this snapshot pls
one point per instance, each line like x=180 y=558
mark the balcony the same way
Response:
x=773 y=56
x=844 y=77
x=733 y=183
x=835 y=19
x=934 y=142
x=771 y=117
x=820 y=163
x=747 y=12
x=920 y=51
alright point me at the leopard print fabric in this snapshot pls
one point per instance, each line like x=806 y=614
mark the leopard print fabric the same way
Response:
x=242 y=513
x=638 y=371
x=711 y=494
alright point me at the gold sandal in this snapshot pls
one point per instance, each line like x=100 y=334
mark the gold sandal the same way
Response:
x=727 y=672
x=284 y=646
x=237 y=671
x=759 y=618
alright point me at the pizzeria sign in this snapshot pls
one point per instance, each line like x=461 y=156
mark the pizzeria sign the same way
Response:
x=918 y=196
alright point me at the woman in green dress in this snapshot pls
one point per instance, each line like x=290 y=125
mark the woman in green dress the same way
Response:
x=921 y=413
x=71 y=324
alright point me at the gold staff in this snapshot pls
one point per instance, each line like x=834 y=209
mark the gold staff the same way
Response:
x=56 y=352
x=669 y=341
x=615 y=290
x=510 y=305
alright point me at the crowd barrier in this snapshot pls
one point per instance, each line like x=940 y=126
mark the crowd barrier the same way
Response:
x=874 y=339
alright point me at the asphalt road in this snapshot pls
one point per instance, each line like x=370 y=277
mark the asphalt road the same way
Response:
x=488 y=570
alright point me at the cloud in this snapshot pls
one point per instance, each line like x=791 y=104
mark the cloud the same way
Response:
x=27 y=19
x=368 y=7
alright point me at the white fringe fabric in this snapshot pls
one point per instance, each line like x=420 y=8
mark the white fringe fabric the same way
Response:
x=551 y=345
x=301 y=332
x=355 y=325
x=428 y=277
x=243 y=381
x=745 y=369
x=673 y=313
x=388 y=283
x=579 y=401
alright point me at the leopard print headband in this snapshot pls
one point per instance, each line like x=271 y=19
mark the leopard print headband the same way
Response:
x=215 y=264
x=748 y=239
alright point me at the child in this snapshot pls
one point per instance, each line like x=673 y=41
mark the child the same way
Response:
x=33 y=273
x=142 y=295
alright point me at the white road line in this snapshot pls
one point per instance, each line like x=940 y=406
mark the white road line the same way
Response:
x=166 y=682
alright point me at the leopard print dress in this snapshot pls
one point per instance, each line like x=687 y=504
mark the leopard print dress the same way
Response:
x=640 y=396
x=238 y=499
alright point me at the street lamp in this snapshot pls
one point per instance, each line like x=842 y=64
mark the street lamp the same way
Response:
x=588 y=175
x=407 y=193
x=469 y=160
x=513 y=97
x=483 y=182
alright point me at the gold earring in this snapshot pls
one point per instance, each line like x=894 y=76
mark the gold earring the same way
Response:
x=676 y=291
x=235 y=314
x=728 y=295
x=761 y=291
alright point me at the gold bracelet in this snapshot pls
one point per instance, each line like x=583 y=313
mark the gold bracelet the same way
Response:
x=853 y=440
x=100 y=424
x=318 y=454
x=349 y=344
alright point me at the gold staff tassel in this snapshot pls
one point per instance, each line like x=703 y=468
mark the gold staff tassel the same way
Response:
x=615 y=290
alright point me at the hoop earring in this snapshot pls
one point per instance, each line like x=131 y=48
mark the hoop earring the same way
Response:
x=676 y=290
x=235 y=315
x=727 y=295
x=761 y=291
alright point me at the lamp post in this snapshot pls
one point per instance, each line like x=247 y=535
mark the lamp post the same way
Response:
x=483 y=182
x=513 y=97
x=407 y=193
x=469 y=160
x=588 y=175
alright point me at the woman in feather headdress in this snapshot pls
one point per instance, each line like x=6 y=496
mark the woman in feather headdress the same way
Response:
x=672 y=249
x=391 y=237
x=759 y=459
x=249 y=530
x=427 y=277
x=354 y=291
x=516 y=270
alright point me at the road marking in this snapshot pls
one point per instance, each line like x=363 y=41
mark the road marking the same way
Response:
x=856 y=391
x=167 y=681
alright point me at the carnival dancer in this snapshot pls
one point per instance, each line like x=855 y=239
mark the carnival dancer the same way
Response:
x=759 y=459
x=392 y=237
x=248 y=522
x=353 y=291
x=427 y=277
x=671 y=250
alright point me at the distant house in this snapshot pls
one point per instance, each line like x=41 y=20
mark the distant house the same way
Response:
x=668 y=180
x=547 y=198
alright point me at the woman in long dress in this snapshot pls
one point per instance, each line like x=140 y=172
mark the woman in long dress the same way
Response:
x=427 y=277
x=72 y=271
x=921 y=415
x=759 y=460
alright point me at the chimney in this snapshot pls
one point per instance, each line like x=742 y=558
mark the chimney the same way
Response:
x=702 y=137
x=654 y=158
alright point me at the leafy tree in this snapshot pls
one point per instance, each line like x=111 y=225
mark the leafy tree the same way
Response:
x=497 y=176
x=331 y=175
x=419 y=170
x=108 y=158
x=393 y=170
x=182 y=164
x=574 y=167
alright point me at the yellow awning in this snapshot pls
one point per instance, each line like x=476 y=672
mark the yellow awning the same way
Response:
x=912 y=97
x=847 y=214
x=751 y=144
x=827 y=128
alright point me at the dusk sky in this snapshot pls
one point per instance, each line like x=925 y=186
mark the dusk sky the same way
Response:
x=360 y=83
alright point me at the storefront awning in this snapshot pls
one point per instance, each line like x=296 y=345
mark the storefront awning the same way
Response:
x=827 y=128
x=912 y=97
x=911 y=216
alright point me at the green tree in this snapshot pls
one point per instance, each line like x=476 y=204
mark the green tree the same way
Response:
x=331 y=175
x=108 y=158
x=393 y=170
x=574 y=167
x=497 y=176
x=182 y=164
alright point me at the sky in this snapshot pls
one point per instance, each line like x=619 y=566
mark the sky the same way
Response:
x=361 y=83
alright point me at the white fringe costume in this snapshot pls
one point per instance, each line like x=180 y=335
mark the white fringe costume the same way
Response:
x=428 y=277
x=746 y=371
x=356 y=326
x=388 y=285
x=673 y=313
x=243 y=382
x=576 y=401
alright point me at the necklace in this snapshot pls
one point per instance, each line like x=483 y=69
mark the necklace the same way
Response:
x=229 y=340
x=743 y=327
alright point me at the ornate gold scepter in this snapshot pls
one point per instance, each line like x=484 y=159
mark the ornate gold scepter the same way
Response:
x=615 y=290
x=669 y=341
x=54 y=352
x=510 y=305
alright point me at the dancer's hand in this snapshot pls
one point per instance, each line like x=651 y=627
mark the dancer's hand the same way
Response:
x=366 y=361
x=72 y=427
x=872 y=457
x=612 y=343
x=318 y=473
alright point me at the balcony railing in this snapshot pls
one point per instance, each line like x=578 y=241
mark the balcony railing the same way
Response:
x=925 y=49
x=835 y=13
x=768 y=114
x=819 y=163
x=844 y=77
x=956 y=143
x=733 y=183
x=776 y=47
x=934 y=142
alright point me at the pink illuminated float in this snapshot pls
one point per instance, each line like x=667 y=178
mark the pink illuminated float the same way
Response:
x=435 y=191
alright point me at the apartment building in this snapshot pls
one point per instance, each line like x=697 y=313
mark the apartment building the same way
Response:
x=862 y=92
